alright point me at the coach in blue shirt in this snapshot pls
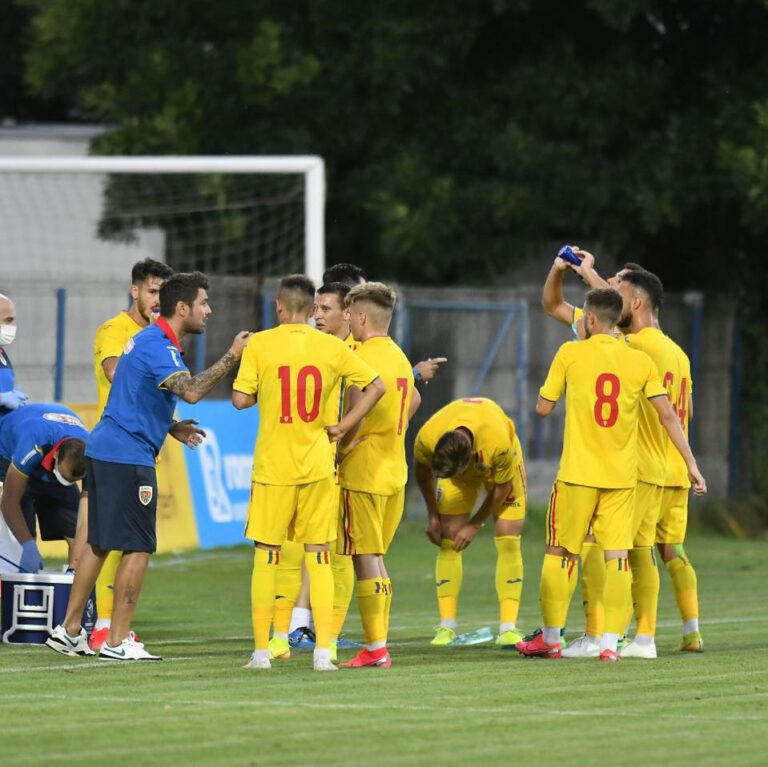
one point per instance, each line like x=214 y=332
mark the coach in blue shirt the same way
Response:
x=11 y=398
x=42 y=456
x=121 y=451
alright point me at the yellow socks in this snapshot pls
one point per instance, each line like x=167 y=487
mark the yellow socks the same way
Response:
x=343 y=586
x=645 y=589
x=449 y=572
x=372 y=603
x=320 y=595
x=387 y=602
x=592 y=584
x=685 y=585
x=509 y=579
x=287 y=585
x=557 y=574
x=265 y=563
x=105 y=585
x=617 y=595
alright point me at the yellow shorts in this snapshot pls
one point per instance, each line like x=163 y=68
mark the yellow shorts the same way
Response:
x=646 y=513
x=456 y=498
x=368 y=522
x=301 y=513
x=673 y=520
x=573 y=507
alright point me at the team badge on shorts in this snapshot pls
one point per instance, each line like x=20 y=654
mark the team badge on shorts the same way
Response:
x=145 y=494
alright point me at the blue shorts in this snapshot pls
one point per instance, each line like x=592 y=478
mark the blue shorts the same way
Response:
x=122 y=506
x=51 y=505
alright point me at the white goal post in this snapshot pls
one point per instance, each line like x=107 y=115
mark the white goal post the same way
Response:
x=310 y=166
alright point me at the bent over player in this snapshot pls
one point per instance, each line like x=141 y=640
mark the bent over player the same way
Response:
x=470 y=445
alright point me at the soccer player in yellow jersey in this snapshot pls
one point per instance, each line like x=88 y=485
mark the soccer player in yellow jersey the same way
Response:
x=671 y=527
x=642 y=294
x=603 y=380
x=373 y=470
x=147 y=276
x=292 y=371
x=292 y=624
x=470 y=445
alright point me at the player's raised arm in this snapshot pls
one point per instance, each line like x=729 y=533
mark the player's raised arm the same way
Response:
x=672 y=425
x=193 y=388
x=552 y=301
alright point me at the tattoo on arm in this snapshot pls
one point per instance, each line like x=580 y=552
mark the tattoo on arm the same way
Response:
x=183 y=383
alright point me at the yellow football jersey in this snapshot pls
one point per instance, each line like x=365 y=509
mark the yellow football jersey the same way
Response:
x=377 y=465
x=680 y=390
x=110 y=340
x=294 y=370
x=603 y=381
x=652 y=438
x=493 y=454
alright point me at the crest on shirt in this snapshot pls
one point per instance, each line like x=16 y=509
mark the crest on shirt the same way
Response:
x=129 y=346
x=145 y=494
x=69 y=420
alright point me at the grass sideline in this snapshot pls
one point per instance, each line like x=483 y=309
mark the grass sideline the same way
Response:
x=444 y=706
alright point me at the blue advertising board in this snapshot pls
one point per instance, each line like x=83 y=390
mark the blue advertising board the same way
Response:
x=219 y=470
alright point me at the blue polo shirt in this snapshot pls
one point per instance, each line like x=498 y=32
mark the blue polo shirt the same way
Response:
x=29 y=434
x=139 y=410
x=7 y=378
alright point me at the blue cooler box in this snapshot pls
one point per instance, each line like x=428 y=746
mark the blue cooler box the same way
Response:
x=33 y=605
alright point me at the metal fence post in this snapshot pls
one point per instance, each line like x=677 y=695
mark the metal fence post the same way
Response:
x=61 y=320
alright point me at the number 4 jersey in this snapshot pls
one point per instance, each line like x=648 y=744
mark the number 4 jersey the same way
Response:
x=603 y=380
x=292 y=370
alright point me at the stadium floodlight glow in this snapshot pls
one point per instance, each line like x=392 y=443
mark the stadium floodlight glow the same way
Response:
x=310 y=167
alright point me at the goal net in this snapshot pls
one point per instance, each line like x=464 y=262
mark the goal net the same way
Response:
x=72 y=227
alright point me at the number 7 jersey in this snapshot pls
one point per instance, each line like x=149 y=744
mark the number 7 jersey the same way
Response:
x=603 y=380
x=293 y=370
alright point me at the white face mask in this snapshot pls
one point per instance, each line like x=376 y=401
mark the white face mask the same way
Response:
x=7 y=334
x=59 y=478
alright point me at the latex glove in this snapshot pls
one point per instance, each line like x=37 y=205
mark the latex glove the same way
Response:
x=31 y=560
x=13 y=399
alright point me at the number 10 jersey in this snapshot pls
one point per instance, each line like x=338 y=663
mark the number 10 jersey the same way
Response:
x=293 y=370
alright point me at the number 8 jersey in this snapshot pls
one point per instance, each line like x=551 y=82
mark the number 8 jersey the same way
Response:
x=292 y=370
x=603 y=380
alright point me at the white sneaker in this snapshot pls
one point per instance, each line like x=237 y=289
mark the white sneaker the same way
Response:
x=583 y=647
x=63 y=643
x=635 y=650
x=259 y=660
x=128 y=649
x=321 y=661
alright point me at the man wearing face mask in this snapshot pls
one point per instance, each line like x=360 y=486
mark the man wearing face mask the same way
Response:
x=11 y=398
x=42 y=457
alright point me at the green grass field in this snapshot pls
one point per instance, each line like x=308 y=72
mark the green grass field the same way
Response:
x=469 y=706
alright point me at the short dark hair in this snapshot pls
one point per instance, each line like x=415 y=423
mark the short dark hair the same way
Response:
x=649 y=284
x=606 y=303
x=297 y=292
x=72 y=451
x=182 y=286
x=349 y=274
x=631 y=266
x=339 y=289
x=452 y=453
x=149 y=268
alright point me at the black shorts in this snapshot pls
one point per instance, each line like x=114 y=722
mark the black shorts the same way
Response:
x=50 y=504
x=122 y=506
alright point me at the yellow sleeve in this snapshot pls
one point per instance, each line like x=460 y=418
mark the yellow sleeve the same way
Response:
x=554 y=386
x=355 y=371
x=504 y=466
x=110 y=342
x=652 y=387
x=421 y=452
x=247 y=380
